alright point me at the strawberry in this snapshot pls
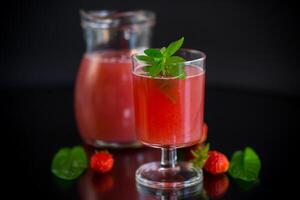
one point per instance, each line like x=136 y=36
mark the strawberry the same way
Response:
x=216 y=185
x=216 y=163
x=102 y=162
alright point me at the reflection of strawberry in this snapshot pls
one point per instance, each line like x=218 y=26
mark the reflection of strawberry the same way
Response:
x=216 y=185
x=102 y=182
x=216 y=163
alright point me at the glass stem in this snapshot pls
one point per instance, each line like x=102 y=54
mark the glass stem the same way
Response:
x=168 y=157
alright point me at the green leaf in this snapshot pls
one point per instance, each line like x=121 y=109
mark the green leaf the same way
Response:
x=174 y=59
x=176 y=70
x=166 y=87
x=201 y=155
x=147 y=68
x=69 y=163
x=154 y=70
x=174 y=46
x=245 y=165
x=182 y=76
x=144 y=58
x=163 y=50
x=154 y=53
x=160 y=62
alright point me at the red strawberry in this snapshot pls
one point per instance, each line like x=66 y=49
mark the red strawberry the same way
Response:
x=216 y=185
x=216 y=163
x=102 y=162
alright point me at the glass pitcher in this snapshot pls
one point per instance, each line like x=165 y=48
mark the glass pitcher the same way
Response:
x=103 y=90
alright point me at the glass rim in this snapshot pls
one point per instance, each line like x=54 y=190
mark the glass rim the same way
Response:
x=110 y=19
x=202 y=56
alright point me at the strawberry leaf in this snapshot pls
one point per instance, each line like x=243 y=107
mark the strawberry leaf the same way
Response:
x=201 y=155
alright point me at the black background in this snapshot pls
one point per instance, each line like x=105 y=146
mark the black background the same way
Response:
x=250 y=44
x=252 y=84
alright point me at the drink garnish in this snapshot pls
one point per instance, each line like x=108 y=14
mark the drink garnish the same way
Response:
x=216 y=163
x=102 y=162
x=69 y=163
x=162 y=62
x=245 y=165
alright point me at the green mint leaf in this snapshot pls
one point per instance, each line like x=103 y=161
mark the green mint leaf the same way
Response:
x=163 y=50
x=162 y=63
x=174 y=46
x=69 y=163
x=201 y=155
x=166 y=87
x=182 y=76
x=176 y=70
x=154 y=70
x=157 y=60
x=174 y=59
x=147 y=68
x=154 y=53
x=144 y=58
x=245 y=165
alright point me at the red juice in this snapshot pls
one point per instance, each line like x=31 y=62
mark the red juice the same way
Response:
x=104 y=99
x=169 y=111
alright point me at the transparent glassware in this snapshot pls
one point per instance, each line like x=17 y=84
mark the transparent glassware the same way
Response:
x=103 y=90
x=169 y=115
x=193 y=192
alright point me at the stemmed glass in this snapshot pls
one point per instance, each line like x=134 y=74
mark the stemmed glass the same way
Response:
x=169 y=115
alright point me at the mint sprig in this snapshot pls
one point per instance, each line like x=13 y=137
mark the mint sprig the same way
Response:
x=245 y=165
x=161 y=62
x=69 y=163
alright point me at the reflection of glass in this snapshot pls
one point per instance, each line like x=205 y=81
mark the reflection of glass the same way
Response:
x=194 y=192
x=169 y=115
x=103 y=94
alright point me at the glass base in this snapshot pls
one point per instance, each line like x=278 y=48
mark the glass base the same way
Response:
x=113 y=145
x=193 y=192
x=182 y=175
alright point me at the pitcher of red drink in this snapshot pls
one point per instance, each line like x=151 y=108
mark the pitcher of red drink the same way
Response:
x=103 y=91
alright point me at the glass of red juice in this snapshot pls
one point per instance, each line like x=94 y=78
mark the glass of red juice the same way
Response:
x=169 y=115
x=103 y=91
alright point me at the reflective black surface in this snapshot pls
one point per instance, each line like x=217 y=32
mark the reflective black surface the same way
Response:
x=38 y=122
